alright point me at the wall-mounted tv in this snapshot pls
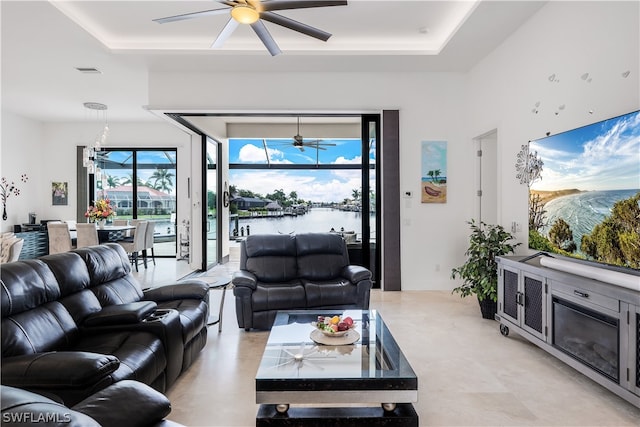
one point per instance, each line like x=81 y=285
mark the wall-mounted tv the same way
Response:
x=586 y=202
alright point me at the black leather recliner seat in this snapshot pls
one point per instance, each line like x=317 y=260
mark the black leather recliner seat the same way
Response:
x=126 y=403
x=76 y=322
x=293 y=272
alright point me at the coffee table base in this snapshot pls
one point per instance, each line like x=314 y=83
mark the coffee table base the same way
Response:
x=403 y=416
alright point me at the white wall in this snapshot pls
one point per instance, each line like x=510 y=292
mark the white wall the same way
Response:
x=21 y=152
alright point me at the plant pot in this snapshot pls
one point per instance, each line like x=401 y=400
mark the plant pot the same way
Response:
x=102 y=223
x=488 y=308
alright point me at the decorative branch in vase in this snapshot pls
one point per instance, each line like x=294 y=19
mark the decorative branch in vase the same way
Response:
x=7 y=189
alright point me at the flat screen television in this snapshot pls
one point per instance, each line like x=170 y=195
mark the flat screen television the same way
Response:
x=585 y=203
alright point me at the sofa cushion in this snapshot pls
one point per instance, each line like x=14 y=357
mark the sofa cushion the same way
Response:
x=70 y=271
x=141 y=354
x=278 y=296
x=270 y=257
x=126 y=403
x=323 y=294
x=44 y=328
x=26 y=285
x=24 y=408
x=321 y=256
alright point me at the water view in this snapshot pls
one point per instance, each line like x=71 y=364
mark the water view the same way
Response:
x=583 y=211
x=316 y=220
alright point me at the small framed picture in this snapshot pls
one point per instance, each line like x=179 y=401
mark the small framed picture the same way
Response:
x=59 y=193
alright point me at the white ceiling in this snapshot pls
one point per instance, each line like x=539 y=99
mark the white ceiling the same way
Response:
x=43 y=43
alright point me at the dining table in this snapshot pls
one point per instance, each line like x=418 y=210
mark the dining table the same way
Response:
x=113 y=233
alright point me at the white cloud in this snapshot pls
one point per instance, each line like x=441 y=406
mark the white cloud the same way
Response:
x=251 y=154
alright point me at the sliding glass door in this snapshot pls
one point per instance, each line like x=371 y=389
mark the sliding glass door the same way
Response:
x=140 y=183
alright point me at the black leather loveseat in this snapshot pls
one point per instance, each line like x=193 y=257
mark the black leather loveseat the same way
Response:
x=76 y=322
x=288 y=272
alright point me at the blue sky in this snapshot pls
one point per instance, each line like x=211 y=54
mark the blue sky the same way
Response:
x=601 y=156
x=310 y=185
x=434 y=157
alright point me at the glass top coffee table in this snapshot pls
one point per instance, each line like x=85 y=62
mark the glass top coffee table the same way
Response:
x=297 y=370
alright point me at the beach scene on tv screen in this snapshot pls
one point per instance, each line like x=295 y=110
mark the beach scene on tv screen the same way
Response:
x=586 y=201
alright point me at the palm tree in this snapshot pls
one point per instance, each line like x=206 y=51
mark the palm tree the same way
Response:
x=436 y=173
x=113 y=181
x=163 y=179
x=430 y=175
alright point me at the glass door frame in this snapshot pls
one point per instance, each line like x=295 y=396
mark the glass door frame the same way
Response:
x=219 y=191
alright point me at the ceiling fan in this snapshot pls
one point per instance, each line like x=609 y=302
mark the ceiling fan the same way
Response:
x=300 y=143
x=253 y=12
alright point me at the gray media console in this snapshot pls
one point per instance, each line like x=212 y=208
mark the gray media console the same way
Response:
x=591 y=325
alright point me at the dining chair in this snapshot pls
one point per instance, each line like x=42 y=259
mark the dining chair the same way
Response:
x=59 y=237
x=87 y=235
x=148 y=242
x=133 y=246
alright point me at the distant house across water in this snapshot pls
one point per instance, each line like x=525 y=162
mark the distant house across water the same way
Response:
x=150 y=200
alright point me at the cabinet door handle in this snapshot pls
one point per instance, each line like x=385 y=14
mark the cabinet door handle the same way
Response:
x=581 y=294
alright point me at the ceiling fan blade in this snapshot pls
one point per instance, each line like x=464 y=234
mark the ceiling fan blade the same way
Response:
x=228 y=29
x=295 y=25
x=299 y=4
x=192 y=15
x=266 y=38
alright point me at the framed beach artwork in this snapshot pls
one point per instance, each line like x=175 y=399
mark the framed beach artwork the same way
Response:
x=59 y=193
x=433 y=186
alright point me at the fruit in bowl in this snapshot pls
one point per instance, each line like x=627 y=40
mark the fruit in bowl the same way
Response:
x=334 y=326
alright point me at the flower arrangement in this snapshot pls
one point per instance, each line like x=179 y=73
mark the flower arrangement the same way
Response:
x=101 y=209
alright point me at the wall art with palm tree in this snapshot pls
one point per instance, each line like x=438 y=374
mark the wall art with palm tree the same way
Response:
x=433 y=186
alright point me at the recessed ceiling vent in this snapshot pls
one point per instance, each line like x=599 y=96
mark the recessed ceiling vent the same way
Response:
x=89 y=70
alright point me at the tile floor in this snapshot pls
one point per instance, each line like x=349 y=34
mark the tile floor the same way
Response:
x=469 y=374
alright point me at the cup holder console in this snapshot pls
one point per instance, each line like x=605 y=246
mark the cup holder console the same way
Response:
x=157 y=315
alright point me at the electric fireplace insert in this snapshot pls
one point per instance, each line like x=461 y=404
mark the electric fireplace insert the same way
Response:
x=588 y=336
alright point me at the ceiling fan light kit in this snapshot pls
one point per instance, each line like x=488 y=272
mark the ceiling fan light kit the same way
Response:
x=245 y=14
x=253 y=12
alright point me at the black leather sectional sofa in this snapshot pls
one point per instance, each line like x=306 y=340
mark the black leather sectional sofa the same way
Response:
x=77 y=322
x=289 y=272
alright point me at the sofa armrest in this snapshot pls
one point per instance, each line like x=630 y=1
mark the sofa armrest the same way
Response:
x=187 y=289
x=126 y=403
x=61 y=369
x=244 y=278
x=121 y=314
x=356 y=273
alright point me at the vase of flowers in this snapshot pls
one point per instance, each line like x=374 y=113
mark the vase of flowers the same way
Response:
x=100 y=212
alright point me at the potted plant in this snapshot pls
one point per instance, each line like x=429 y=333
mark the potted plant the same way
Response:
x=480 y=272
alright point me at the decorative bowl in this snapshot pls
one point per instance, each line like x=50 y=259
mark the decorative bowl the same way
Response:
x=325 y=329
